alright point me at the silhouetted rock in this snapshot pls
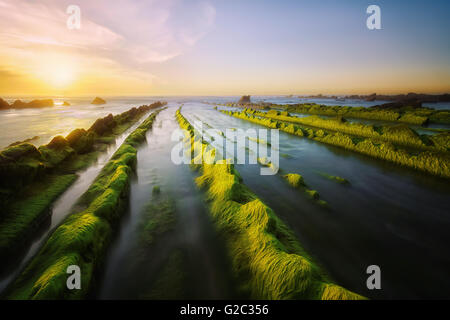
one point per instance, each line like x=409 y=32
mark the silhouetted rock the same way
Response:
x=19 y=104
x=371 y=97
x=98 y=100
x=3 y=104
x=414 y=103
x=412 y=96
x=244 y=100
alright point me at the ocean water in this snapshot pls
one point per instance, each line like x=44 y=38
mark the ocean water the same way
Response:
x=46 y=123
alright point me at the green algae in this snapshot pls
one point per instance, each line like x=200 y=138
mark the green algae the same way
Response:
x=337 y=179
x=15 y=224
x=158 y=218
x=83 y=237
x=435 y=163
x=410 y=115
x=296 y=181
x=156 y=190
x=398 y=134
x=171 y=281
x=361 y=113
x=156 y=221
x=33 y=178
x=267 y=260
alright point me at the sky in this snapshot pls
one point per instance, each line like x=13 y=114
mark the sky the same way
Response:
x=223 y=47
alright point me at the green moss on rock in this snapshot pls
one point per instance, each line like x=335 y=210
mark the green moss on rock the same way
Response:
x=267 y=259
x=83 y=237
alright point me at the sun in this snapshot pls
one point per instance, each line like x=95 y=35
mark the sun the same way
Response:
x=61 y=76
x=57 y=71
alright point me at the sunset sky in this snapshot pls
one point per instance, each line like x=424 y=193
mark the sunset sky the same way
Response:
x=223 y=47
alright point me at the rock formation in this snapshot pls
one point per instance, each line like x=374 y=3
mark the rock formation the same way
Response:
x=98 y=101
x=244 y=100
x=3 y=104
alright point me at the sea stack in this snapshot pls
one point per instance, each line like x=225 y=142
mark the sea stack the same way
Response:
x=19 y=104
x=98 y=101
x=3 y=104
x=244 y=100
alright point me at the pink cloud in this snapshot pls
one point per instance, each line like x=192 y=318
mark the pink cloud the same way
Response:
x=123 y=33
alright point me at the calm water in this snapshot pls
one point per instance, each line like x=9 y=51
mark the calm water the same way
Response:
x=131 y=276
x=21 y=124
x=389 y=216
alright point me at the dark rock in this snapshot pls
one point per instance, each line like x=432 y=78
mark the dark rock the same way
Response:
x=98 y=101
x=103 y=125
x=3 y=104
x=58 y=142
x=371 y=97
x=413 y=103
x=19 y=104
x=244 y=100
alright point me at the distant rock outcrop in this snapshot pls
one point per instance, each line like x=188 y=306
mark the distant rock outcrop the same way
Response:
x=19 y=104
x=98 y=101
x=420 y=97
x=371 y=97
x=66 y=104
x=3 y=104
x=412 y=103
x=244 y=100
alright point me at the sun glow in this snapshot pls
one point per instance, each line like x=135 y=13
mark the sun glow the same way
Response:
x=58 y=72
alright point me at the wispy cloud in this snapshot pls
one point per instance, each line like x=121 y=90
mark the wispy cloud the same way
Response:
x=120 y=35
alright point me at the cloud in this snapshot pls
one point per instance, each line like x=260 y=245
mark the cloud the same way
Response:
x=118 y=35
x=7 y=74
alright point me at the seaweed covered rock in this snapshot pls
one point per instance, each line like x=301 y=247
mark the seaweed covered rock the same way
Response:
x=22 y=150
x=24 y=141
x=19 y=165
x=103 y=125
x=130 y=114
x=265 y=255
x=442 y=141
x=295 y=180
x=58 y=142
x=98 y=101
x=56 y=151
x=83 y=237
x=81 y=140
